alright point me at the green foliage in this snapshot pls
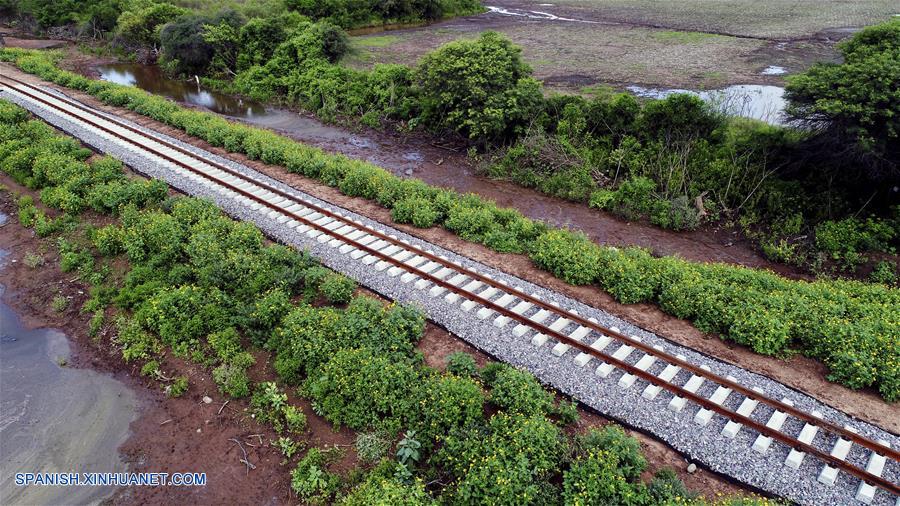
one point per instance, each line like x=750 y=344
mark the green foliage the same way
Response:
x=884 y=272
x=150 y=368
x=596 y=479
x=232 y=379
x=478 y=88
x=178 y=387
x=108 y=240
x=462 y=364
x=358 y=388
x=846 y=240
x=90 y=16
x=311 y=480
x=508 y=462
x=667 y=488
x=417 y=211
x=855 y=101
x=570 y=256
x=337 y=288
x=354 y=14
x=184 y=48
x=135 y=342
x=518 y=391
x=141 y=23
x=381 y=491
x=613 y=441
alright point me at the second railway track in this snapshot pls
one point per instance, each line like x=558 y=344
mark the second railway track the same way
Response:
x=695 y=394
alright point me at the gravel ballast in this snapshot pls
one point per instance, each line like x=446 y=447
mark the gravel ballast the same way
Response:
x=703 y=445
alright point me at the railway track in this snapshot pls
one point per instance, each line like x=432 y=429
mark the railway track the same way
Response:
x=526 y=316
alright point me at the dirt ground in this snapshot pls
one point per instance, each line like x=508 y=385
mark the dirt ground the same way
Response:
x=187 y=435
x=804 y=374
x=576 y=44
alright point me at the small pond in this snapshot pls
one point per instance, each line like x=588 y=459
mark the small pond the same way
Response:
x=755 y=101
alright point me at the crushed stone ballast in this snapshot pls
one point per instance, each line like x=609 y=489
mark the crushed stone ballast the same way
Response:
x=735 y=422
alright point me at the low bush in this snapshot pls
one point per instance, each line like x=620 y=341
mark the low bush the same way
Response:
x=518 y=391
x=311 y=480
x=570 y=256
x=337 y=288
x=462 y=364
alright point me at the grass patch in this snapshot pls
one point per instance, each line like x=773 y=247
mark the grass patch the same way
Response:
x=376 y=41
x=680 y=37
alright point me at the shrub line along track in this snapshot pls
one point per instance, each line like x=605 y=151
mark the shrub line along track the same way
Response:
x=369 y=245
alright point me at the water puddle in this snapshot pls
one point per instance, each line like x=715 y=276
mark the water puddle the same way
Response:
x=150 y=78
x=522 y=13
x=54 y=418
x=773 y=70
x=765 y=103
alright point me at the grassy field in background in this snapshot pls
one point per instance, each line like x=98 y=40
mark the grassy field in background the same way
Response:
x=769 y=18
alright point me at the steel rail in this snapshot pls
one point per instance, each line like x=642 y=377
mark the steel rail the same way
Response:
x=735 y=386
x=544 y=329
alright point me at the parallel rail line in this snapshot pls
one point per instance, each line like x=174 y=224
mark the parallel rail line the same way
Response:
x=472 y=289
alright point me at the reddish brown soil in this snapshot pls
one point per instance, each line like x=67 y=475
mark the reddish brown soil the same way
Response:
x=801 y=373
x=33 y=43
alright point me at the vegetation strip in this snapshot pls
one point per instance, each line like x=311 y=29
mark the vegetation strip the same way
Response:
x=144 y=237
x=848 y=325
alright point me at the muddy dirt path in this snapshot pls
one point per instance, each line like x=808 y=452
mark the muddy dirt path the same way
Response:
x=417 y=155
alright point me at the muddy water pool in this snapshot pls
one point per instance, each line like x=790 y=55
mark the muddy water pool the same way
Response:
x=55 y=418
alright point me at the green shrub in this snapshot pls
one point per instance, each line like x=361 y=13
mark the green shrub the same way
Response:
x=508 y=463
x=666 y=487
x=134 y=341
x=570 y=256
x=358 y=388
x=108 y=240
x=518 y=391
x=232 y=379
x=417 y=211
x=479 y=88
x=613 y=441
x=462 y=364
x=379 y=491
x=311 y=480
x=178 y=387
x=446 y=403
x=372 y=446
x=884 y=272
x=597 y=479
x=337 y=288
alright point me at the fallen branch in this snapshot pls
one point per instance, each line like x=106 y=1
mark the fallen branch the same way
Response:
x=244 y=460
x=223 y=407
x=167 y=421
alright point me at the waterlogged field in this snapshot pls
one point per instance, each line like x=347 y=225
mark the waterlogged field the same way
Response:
x=572 y=56
x=581 y=43
x=785 y=19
